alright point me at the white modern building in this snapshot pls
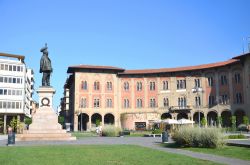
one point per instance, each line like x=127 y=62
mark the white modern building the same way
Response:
x=16 y=88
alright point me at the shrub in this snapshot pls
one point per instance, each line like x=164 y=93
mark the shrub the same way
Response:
x=1 y=122
x=27 y=120
x=245 y=120
x=199 y=137
x=242 y=127
x=110 y=130
x=219 y=120
x=157 y=131
x=61 y=120
x=233 y=120
x=16 y=125
x=239 y=136
x=203 y=122
x=97 y=122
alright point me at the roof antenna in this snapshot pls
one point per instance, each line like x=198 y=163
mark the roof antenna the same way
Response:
x=248 y=38
x=243 y=45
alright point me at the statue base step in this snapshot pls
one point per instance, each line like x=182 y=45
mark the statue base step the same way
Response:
x=45 y=124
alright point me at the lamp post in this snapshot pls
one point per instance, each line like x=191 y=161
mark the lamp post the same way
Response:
x=197 y=90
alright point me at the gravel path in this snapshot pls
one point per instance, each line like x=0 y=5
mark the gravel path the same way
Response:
x=141 y=141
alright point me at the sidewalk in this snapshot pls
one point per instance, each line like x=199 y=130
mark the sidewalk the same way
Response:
x=3 y=137
x=148 y=142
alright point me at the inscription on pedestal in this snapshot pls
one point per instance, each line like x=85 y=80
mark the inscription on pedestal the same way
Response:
x=45 y=102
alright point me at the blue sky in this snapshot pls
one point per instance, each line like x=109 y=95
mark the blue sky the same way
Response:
x=132 y=34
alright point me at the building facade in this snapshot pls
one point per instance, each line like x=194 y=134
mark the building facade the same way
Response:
x=16 y=89
x=132 y=99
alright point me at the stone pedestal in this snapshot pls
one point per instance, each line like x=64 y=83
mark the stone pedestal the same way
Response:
x=45 y=124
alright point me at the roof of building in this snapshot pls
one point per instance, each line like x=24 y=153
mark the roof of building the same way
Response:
x=71 y=69
x=122 y=71
x=179 y=69
x=241 y=56
x=20 y=57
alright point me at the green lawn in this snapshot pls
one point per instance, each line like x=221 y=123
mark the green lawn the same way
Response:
x=227 y=151
x=91 y=155
x=79 y=135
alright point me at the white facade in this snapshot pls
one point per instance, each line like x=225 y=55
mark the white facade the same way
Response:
x=16 y=88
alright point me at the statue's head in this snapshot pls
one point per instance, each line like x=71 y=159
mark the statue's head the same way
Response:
x=45 y=49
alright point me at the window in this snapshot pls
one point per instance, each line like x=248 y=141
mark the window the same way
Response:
x=18 y=68
x=84 y=85
x=13 y=105
x=1 y=91
x=165 y=102
x=17 y=105
x=139 y=86
x=223 y=80
x=126 y=86
x=1 y=79
x=9 y=105
x=197 y=101
x=165 y=85
x=10 y=67
x=83 y=103
x=152 y=103
x=6 y=67
x=197 y=83
x=14 y=80
x=139 y=103
x=211 y=100
x=96 y=86
x=181 y=84
x=4 y=105
x=5 y=92
x=237 y=78
x=109 y=86
x=182 y=102
x=96 y=103
x=126 y=103
x=18 y=80
x=109 y=103
x=239 y=98
x=152 y=86
x=2 y=67
x=210 y=81
x=14 y=68
x=10 y=80
x=9 y=92
x=224 y=99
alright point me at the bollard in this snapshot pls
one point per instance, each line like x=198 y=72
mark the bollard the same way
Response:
x=11 y=137
x=164 y=137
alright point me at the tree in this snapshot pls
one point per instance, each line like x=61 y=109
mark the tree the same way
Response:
x=245 y=120
x=1 y=122
x=203 y=122
x=16 y=125
x=97 y=122
x=233 y=120
x=219 y=121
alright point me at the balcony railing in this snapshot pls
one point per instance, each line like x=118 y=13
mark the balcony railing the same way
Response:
x=180 y=108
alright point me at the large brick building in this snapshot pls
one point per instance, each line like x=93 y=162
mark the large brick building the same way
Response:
x=131 y=99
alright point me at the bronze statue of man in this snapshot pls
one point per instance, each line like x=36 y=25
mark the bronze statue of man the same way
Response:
x=45 y=66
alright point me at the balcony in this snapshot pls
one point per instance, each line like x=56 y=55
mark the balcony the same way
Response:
x=179 y=108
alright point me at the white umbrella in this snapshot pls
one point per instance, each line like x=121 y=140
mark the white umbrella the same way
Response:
x=185 y=121
x=157 y=121
x=170 y=121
